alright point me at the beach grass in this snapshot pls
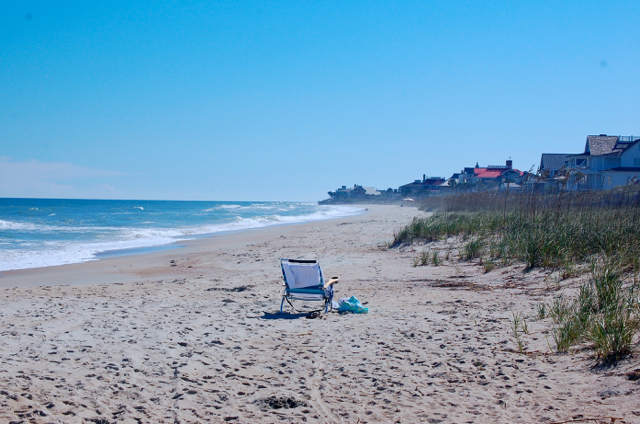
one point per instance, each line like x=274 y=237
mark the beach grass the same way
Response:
x=551 y=231
x=593 y=233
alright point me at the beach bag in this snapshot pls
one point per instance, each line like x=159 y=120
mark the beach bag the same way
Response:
x=350 y=304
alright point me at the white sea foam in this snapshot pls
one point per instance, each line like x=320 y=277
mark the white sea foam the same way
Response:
x=282 y=207
x=223 y=207
x=35 y=254
x=68 y=253
x=28 y=227
x=11 y=225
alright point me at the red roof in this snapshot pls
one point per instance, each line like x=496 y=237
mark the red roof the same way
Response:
x=489 y=174
x=493 y=172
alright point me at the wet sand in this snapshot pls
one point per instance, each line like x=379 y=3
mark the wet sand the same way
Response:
x=194 y=335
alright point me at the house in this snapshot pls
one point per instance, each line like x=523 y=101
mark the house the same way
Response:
x=358 y=191
x=491 y=175
x=389 y=193
x=352 y=193
x=371 y=191
x=427 y=187
x=551 y=163
x=607 y=161
x=342 y=192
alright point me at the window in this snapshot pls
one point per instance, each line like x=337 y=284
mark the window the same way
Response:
x=636 y=161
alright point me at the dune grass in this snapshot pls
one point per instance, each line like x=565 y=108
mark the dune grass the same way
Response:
x=538 y=230
x=604 y=313
x=563 y=231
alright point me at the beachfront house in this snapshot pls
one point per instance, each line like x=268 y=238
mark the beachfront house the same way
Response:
x=607 y=161
x=390 y=193
x=356 y=192
x=428 y=186
x=486 y=177
x=552 y=163
x=371 y=191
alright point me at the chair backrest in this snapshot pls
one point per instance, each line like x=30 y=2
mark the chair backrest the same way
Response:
x=299 y=274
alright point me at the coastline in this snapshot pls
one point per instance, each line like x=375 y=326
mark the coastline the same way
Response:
x=38 y=233
x=126 y=269
x=197 y=340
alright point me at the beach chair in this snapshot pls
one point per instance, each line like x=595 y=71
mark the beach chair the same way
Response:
x=303 y=280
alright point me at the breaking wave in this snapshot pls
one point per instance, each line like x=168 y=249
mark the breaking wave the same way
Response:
x=70 y=237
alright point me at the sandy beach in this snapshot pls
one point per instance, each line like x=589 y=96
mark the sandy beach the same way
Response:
x=194 y=335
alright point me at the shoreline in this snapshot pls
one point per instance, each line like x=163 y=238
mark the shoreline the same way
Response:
x=129 y=267
x=24 y=274
x=200 y=339
x=60 y=233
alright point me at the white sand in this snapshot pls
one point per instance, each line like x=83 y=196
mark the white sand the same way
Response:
x=135 y=339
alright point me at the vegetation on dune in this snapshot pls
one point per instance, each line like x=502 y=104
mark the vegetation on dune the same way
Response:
x=539 y=230
x=604 y=313
x=596 y=232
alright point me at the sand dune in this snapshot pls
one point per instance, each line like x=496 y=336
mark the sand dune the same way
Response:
x=200 y=339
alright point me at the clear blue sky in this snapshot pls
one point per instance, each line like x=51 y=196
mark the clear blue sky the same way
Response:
x=288 y=100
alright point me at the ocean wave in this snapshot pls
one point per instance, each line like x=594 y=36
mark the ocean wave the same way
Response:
x=222 y=207
x=282 y=207
x=240 y=223
x=41 y=245
x=12 y=225
x=29 y=227
x=60 y=253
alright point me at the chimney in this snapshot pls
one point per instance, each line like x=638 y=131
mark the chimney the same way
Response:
x=509 y=164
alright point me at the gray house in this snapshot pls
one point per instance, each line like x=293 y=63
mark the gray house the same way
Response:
x=607 y=161
x=551 y=163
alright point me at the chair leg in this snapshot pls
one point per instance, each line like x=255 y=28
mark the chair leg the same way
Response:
x=281 y=304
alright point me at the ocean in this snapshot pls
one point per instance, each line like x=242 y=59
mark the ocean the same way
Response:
x=48 y=232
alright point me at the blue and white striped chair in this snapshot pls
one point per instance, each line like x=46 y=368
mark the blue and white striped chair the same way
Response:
x=303 y=280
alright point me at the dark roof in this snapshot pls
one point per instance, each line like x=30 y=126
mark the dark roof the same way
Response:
x=553 y=161
x=623 y=169
x=434 y=181
x=621 y=147
x=420 y=184
x=598 y=145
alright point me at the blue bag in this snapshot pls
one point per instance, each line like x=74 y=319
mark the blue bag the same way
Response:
x=351 y=304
